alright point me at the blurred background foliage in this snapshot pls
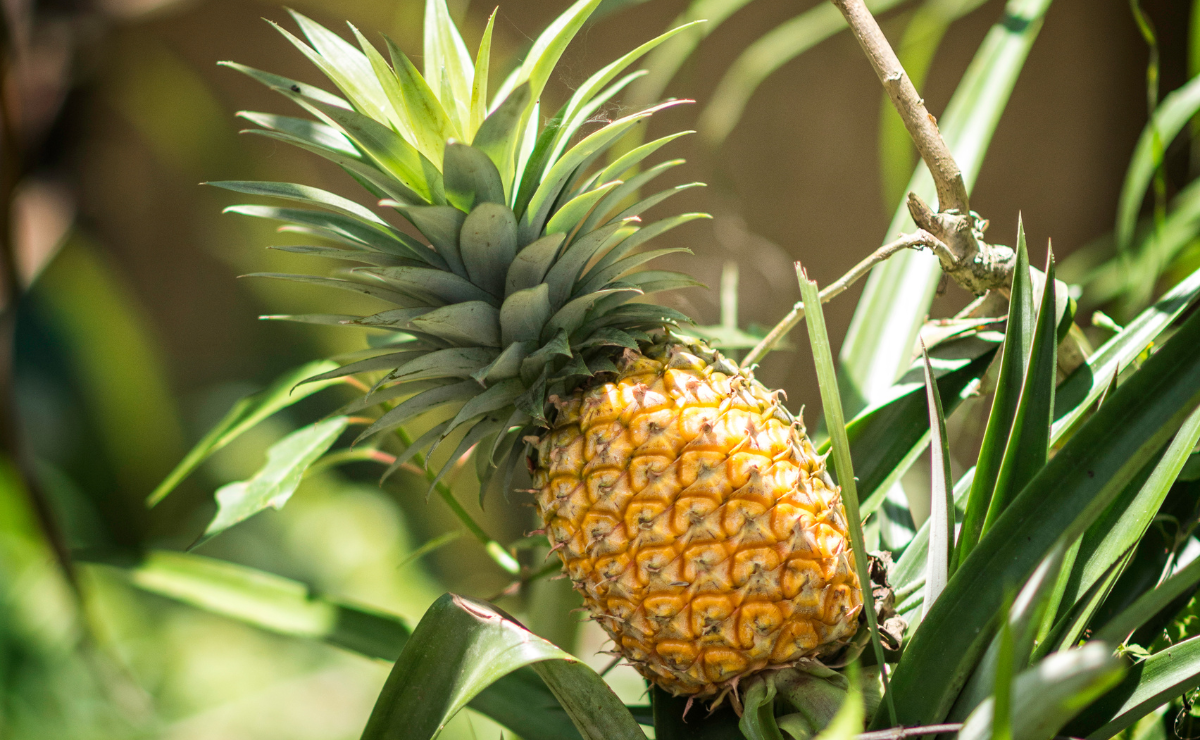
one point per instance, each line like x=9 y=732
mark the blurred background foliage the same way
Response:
x=130 y=335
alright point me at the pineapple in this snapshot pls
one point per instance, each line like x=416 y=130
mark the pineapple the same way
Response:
x=688 y=506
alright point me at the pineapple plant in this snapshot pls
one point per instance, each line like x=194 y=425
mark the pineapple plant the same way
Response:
x=685 y=502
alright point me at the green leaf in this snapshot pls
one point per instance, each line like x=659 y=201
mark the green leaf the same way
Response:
x=355 y=164
x=350 y=231
x=1079 y=392
x=758 y=712
x=534 y=216
x=456 y=362
x=276 y=481
x=908 y=575
x=524 y=314
x=831 y=403
x=432 y=286
x=623 y=191
x=244 y=415
x=543 y=56
x=532 y=263
x=275 y=81
x=1014 y=358
x=431 y=122
x=519 y=700
x=500 y=132
x=1149 y=604
x=640 y=237
x=1168 y=120
x=1050 y=694
x=313 y=133
x=941 y=507
x=473 y=324
x=479 y=81
x=1123 y=525
x=448 y=64
x=1002 y=697
x=574 y=110
x=898 y=293
x=887 y=437
x=565 y=271
x=309 y=196
x=1146 y=686
x=848 y=722
x=462 y=646
x=497 y=397
x=1021 y=623
x=344 y=65
x=1028 y=445
x=388 y=149
x=571 y=214
x=470 y=177
x=1057 y=505
x=440 y=225
x=488 y=241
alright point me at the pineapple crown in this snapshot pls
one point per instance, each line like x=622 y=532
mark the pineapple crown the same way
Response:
x=524 y=289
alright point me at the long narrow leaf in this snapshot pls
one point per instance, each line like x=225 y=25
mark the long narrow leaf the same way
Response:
x=1018 y=337
x=1028 y=445
x=245 y=414
x=1168 y=120
x=1123 y=525
x=832 y=406
x=1050 y=694
x=1150 y=604
x=941 y=503
x=1058 y=505
x=1147 y=686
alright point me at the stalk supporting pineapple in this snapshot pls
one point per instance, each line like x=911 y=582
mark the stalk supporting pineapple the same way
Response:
x=686 y=502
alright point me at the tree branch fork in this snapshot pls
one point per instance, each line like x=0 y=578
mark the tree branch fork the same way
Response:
x=953 y=232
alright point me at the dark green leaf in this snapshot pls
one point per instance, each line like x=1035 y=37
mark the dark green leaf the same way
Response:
x=488 y=241
x=1028 y=445
x=1058 y=504
x=758 y=712
x=470 y=177
x=1150 y=603
x=472 y=324
x=1014 y=357
x=440 y=225
x=1147 y=686
x=462 y=646
x=531 y=263
x=498 y=135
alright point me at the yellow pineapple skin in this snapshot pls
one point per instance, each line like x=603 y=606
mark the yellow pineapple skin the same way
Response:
x=693 y=515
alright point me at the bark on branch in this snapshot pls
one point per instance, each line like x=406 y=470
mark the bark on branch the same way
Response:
x=921 y=125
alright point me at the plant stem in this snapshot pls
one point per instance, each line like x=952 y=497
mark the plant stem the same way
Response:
x=922 y=127
x=899 y=733
x=831 y=400
x=495 y=550
x=917 y=240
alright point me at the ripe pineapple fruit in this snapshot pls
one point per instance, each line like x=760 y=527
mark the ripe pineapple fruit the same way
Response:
x=687 y=504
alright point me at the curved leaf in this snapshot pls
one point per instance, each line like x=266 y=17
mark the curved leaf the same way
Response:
x=462 y=646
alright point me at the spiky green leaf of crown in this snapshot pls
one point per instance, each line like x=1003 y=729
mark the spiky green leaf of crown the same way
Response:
x=524 y=290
